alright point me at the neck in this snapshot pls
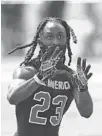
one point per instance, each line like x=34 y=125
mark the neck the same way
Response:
x=62 y=61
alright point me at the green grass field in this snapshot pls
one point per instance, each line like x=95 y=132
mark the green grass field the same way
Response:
x=72 y=124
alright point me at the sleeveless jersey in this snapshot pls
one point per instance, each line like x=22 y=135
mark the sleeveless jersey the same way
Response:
x=42 y=112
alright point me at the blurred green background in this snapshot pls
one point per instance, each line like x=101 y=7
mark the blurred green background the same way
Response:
x=18 y=26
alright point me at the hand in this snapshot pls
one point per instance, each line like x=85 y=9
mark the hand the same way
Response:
x=49 y=61
x=82 y=76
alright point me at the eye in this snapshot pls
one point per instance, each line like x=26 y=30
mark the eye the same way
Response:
x=60 y=36
x=49 y=37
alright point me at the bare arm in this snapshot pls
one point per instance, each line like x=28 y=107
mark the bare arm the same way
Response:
x=25 y=83
x=22 y=85
x=81 y=94
x=83 y=102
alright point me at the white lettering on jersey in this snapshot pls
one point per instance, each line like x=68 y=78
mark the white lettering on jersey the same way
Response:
x=58 y=84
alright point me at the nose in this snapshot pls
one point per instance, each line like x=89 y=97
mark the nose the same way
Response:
x=56 y=41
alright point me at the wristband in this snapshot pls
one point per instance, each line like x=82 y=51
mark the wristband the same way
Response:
x=84 y=89
x=39 y=76
x=38 y=80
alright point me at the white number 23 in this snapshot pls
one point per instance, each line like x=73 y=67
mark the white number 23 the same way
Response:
x=45 y=96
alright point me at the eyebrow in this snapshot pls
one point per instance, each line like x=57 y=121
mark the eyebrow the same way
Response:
x=60 y=32
x=51 y=33
x=44 y=33
x=48 y=33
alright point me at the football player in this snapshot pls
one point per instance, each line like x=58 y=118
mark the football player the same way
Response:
x=43 y=88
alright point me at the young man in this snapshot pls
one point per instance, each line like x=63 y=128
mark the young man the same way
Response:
x=43 y=88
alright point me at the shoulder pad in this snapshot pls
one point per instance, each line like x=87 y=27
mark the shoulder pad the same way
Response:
x=24 y=72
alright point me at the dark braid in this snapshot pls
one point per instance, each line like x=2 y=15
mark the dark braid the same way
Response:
x=20 y=47
x=33 y=45
x=68 y=41
x=70 y=55
x=68 y=31
x=30 y=52
x=68 y=44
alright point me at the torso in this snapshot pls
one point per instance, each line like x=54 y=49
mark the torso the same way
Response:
x=41 y=113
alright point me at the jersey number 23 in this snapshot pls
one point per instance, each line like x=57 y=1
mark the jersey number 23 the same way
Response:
x=54 y=120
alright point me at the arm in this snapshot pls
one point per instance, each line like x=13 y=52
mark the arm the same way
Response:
x=80 y=91
x=83 y=102
x=22 y=85
x=25 y=83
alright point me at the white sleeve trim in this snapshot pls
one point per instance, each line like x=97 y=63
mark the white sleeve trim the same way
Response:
x=38 y=80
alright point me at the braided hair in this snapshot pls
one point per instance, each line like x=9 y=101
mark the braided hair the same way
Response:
x=33 y=44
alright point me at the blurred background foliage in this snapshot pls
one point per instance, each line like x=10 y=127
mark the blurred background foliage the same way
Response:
x=19 y=23
x=18 y=26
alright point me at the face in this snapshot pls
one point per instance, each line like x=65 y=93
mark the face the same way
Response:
x=53 y=34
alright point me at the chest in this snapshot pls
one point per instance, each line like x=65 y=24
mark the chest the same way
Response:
x=48 y=104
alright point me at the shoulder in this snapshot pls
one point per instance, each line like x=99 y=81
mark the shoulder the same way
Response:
x=69 y=70
x=24 y=72
x=34 y=63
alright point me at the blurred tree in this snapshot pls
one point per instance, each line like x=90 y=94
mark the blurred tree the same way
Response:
x=92 y=39
x=53 y=9
x=11 y=27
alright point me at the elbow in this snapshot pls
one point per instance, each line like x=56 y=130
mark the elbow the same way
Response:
x=86 y=110
x=11 y=100
x=87 y=113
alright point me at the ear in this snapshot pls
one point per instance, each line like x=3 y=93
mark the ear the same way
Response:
x=40 y=37
x=40 y=34
x=39 y=41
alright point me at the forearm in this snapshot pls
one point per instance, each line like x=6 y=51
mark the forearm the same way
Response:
x=22 y=91
x=84 y=103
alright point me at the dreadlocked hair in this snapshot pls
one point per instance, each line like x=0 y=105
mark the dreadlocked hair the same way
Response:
x=69 y=31
x=33 y=44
